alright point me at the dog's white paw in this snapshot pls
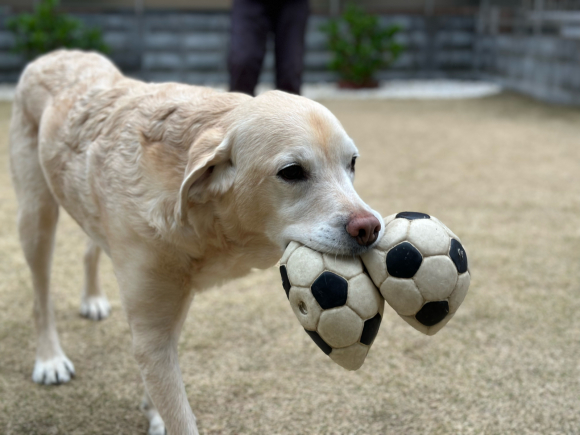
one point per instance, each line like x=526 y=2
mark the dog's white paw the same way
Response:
x=156 y=426
x=95 y=307
x=57 y=370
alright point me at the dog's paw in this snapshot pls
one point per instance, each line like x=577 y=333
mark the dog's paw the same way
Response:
x=57 y=370
x=95 y=308
x=156 y=426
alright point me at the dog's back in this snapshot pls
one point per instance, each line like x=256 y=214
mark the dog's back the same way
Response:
x=47 y=90
x=72 y=71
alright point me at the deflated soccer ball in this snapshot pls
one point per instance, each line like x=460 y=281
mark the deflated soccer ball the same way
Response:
x=334 y=300
x=421 y=270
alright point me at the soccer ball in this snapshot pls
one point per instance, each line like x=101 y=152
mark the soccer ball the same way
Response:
x=421 y=270
x=334 y=300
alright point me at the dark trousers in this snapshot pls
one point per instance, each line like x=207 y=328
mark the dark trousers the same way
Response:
x=252 y=21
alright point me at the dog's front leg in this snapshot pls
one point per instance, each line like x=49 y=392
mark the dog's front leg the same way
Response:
x=156 y=299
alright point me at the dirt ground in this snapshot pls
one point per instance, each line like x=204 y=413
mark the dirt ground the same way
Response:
x=502 y=172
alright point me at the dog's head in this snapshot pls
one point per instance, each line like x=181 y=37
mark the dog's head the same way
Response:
x=282 y=169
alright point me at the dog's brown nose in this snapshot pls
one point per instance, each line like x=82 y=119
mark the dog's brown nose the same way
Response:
x=364 y=228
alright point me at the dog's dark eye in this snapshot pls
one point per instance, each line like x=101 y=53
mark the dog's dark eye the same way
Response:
x=352 y=163
x=292 y=173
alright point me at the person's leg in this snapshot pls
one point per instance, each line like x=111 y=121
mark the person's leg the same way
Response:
x=249 y=32
x=289 y=29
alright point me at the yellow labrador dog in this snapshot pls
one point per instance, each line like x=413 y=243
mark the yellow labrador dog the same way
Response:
x=183 y=187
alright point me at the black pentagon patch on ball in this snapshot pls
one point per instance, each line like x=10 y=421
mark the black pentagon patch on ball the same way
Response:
x=285 y=281
x=458 y=255
x=403 y=261
x=330 y=290
x=432 y=313
x=319 y=341
x=412 y=215
x=370 y=330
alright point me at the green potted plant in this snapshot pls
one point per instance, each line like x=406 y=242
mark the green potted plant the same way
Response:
x=46 y=30
x=360 y=47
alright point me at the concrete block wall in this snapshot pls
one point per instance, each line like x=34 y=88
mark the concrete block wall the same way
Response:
x=10 y=63
x=192 y=47
x=120 y=32
x=189 y=48
x=544 y=67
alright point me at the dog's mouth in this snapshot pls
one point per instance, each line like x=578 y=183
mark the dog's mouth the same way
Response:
x=331 y=239
x=348 y=249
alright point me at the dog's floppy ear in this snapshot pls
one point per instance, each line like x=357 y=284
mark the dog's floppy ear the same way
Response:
x=209 y=170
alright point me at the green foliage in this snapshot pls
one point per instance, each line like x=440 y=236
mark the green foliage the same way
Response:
x=360 y=46
x=46 y=30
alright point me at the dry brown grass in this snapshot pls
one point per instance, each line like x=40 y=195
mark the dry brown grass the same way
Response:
x=502 y=172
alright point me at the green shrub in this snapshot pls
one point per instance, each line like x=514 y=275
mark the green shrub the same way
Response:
x=360 y=46
x=46 y=30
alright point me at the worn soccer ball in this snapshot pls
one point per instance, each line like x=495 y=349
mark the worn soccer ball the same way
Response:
x=334 y=300
x=421 y=269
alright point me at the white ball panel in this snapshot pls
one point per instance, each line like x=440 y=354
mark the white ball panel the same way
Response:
x=429 y=237
x=451 y=233
x=304 y=266
x=351 y=357
x=436 y=278
x=395 y=233
x=427 y=330
x=402 y=295
x=376 y=263
x=363 y=297
x=340 y=327
x=346 y=267
x=387 y=220
x=456 y=298
x=293 y=246
x=305 y=307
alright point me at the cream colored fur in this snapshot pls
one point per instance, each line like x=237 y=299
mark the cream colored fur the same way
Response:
x=178 y=185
